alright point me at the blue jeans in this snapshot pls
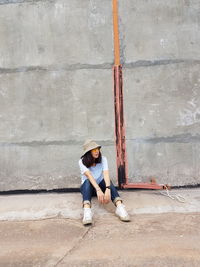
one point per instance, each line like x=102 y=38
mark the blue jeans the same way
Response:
x=88 y=191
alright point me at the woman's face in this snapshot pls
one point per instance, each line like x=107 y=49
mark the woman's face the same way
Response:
x=95 y=152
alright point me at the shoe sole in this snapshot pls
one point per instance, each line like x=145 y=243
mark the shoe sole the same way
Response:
x=123 y=219
x=87 y=222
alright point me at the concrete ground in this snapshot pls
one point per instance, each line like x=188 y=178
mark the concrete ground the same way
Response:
x=46 y=230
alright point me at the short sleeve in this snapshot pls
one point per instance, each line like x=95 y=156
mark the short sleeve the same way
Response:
x=105 y=164
x=83 y=168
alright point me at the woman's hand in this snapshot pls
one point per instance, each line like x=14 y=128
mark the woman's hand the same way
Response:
x=107 y=196
x=100 y=196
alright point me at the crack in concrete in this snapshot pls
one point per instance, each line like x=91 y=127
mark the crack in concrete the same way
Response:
x=8 y=2
x=106 y=66
x=75 y=246
x=149 y=63
x=182 y=138
x=66 y=67
x=53 y=143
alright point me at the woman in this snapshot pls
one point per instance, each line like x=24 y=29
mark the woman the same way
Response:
x=96 y=181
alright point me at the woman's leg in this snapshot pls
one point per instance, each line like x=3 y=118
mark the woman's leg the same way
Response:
x=87 y=192
x=116 y=199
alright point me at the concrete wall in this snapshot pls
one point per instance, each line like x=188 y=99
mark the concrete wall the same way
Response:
x=55 y=90
x=56 y=61
x=160 y=50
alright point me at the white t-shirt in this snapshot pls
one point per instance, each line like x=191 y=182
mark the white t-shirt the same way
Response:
x=96 y=171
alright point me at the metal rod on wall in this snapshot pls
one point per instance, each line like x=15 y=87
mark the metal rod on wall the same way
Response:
x=118 y=102
x=122 y=166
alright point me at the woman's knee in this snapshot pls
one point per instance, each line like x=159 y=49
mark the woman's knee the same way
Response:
x=86 y=186
x=86 y=191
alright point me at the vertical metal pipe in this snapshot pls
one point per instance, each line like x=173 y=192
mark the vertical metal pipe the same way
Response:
x=122 y=165
x=118 y=101
x=116 y=33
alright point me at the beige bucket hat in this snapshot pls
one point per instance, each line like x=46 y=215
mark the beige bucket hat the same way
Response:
x=89 y=145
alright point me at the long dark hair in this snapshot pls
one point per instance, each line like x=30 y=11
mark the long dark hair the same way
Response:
x=88 y=159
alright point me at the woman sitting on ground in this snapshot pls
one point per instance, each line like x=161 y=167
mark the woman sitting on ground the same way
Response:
x=96 y=181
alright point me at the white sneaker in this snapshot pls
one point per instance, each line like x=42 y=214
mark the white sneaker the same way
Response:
x=87 y=216
x=122 y=213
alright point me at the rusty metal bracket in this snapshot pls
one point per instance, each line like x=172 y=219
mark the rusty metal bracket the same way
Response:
x=151 y=185
x=119 y=126
x=122 y=163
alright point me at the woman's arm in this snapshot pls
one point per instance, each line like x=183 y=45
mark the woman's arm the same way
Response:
x=106 y=177
x=100 y=194
x=107 y=196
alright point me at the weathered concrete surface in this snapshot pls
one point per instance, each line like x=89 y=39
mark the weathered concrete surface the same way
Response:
x=154 y=240
x=51 y=115
x=68 y=205
x=56 y=89
x=157 y=30
x=45 y=166
x=170 y=163
x=149 y=240
x=43 y=33
x=46 y=230
x=159 y=49
x=38 y=243
x=56 y=106
x=162 y=103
